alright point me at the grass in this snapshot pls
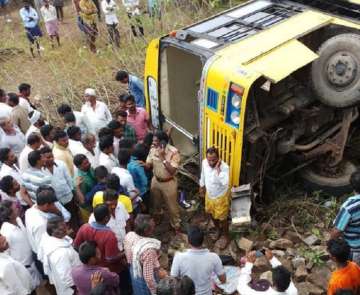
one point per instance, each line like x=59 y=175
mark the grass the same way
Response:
x=62 y=74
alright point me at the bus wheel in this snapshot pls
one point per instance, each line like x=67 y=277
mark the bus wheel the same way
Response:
x=336 y=184
x=335 y=75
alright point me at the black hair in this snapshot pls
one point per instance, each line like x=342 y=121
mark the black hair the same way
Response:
x=344 y=292
x=33 y=138
x=110 y=195
x=45 y=195
x=168 y=286
x=101 y=172
x=339 y=249
x=63 y=109
x=142 y=223
x=186 y=286
x=126 y=143
x=46 y=130
x=6 y=183
x=45 y=150
x=34 y=157
x=24 y=86
x=161 y=136
x=4 y=154
x=122 y=97
x=129 y=97
x=2 y=92
x=14 y=98
x=114 y=124
x=212 y=150
x=59 y=134
x=121 y=75
x=148 y=139
x=69 y=117
x=53 y=224
x=281 y=278
x=105 y=131
x=79 y=159
x=121 y=113
x=124 y=157
x=355 y=181
x=101 y=212
x=140 y=152
x=106 y=142
x=72 y=131
x=5 y=211
x=113 y=182
x=195 y=236
x=87 y=250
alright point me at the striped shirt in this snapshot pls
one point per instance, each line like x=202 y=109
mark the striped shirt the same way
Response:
x=348 y=221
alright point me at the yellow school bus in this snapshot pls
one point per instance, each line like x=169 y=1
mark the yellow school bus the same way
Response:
x=274 y=85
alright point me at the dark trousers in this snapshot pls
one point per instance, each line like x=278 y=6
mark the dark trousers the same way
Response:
x=59 y=12
x=114 y=35
x=74 y=211
x=97 y=4
x=125 y=282
x=138 y=24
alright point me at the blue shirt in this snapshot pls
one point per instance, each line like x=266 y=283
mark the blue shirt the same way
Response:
x=136 y=88
x=26 y=15
x=348 y=221
x=138 y=174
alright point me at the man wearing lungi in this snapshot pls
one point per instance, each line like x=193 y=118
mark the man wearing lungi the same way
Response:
x=48 y=13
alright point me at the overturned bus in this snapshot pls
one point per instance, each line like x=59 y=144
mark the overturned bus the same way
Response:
x=274 y=85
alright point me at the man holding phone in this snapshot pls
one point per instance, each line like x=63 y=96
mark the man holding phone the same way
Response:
x=214 y=186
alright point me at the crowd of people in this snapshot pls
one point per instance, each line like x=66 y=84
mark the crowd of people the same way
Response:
x=80 y=203
x=88 y=12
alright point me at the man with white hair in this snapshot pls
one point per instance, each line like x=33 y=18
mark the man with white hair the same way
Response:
x=96 y=113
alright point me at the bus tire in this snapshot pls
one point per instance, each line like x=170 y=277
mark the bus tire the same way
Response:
x=335 y=186
x=335 y=75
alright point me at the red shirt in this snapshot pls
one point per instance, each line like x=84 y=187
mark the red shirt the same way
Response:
x=139 y=121
x=106 y=242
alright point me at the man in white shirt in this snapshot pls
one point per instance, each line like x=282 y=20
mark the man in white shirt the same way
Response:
x=58 y=256
x=5 y=109
x=109 y=9
x=88 y=141
x=106 y=157
x=14 y=278
x=64 y=109
x=75 y=145
x=281 y=277
x=37 y=121
x=96 y=113
x=24 y=97
x=118 y=133
x=48 y=13
x=214 y=184
x=33 y=143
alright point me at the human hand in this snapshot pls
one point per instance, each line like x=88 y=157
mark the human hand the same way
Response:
x=79 y=180
x=96 y=279
x=268 y=254
x=202 y=192
x=163 y=273
x=251 y=256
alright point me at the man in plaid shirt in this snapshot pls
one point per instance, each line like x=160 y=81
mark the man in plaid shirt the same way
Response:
x=129 y=132
x=142 y=254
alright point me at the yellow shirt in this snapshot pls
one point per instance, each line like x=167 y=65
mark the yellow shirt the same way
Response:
x=125 y=200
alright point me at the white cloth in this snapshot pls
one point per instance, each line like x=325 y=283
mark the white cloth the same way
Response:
x=35 y=116
x=117 y=224
x=93 y=158
x=80 y=121
x=5 y=110
x=139 y=248
x=96 y=118
x=76 y=147
x=109 y=161
x=15 y=142
x=216 y=184
x=109 y=9
x=14 y=278
x=19 y=248
x=58 y=258
x=32 y=129
x=24 y=103
x=48 y=13
x=245 y=278
x=132 y=6
x=23 y=158
x=126 y=179
x=14 y=172
x=35 y=221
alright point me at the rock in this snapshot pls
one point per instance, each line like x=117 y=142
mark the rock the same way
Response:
x=281 y=244
x=320 y=276
x=322 y=250
x=297 y=262
x=290 y=252
x=234 y=251
x=309 y=265
x=266 y=276
x=331 y=265
x=286 y=263
x=245 y=244
x=301 y=273
x=261 y=265
x=312 y=240
x=164 y=260
x=292 y=236
x=278 y=253
x=307 y=288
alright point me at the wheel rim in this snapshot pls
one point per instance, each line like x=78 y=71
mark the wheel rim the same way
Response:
x=341 y=69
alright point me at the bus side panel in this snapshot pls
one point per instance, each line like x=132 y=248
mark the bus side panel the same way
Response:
x=151 y=82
